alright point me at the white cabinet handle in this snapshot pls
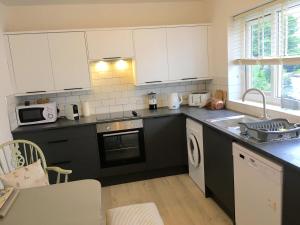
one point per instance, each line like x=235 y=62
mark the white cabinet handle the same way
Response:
x=70 y=89
x=190 y=78
x=153 y=82
x=35 y=92
x=112 y=58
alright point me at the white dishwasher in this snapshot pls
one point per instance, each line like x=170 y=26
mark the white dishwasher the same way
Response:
x=258 y=188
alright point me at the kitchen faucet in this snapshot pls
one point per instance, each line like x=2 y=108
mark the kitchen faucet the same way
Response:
x=265 y=116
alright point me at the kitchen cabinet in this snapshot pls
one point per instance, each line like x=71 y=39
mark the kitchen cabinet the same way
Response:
x=109 y=44
x=73 y=148
x=151 y=62
x=49 y=62
x=291 y=196
x=187 y=52
x=69 y=60
x=31 y=63
x=218 y=168
x=165 y=142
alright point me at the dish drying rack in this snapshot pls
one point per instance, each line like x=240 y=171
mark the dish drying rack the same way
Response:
x=270 y=130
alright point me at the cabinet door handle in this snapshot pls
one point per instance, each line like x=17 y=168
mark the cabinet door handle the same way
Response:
x=58 y=141
x=35 y=92
x=71 y=89
x=111 y=58
x=190 y=78
x=152 y=82
x=121 y=133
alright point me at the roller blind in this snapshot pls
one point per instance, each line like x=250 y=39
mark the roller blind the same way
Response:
x=268 y=35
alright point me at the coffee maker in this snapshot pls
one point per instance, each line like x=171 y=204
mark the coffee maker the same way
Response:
x=152 y=101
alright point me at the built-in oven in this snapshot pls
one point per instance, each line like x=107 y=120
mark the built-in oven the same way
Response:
x=121 y=143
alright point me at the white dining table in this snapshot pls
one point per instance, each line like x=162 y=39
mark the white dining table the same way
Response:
x=73 y=203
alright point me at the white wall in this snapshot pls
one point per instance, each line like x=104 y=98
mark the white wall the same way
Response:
x=5 y=83
x=72 y=16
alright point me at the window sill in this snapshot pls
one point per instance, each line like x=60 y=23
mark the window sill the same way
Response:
x=255 y=108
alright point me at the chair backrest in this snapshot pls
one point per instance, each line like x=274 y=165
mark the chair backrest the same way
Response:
x=19 y=153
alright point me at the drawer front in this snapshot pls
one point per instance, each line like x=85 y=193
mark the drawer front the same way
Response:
x=81 y=156
x=58 y=135
x=57 y=153
x=69 y=148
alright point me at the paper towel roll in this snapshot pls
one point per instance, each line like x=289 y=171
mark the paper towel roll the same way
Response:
x=85 y=109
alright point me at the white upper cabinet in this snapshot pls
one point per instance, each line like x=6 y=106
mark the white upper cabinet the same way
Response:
x=187 y=52
x=69 y=60
x=150 y=56
x=59 y=61
x=31 y=63
x=110 y=44
x=210 y=50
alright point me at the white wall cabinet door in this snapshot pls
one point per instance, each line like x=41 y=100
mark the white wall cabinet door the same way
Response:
x=31 y=63
x=187 y=52
x=150 y=56
x=69 y=60
x=110 y=44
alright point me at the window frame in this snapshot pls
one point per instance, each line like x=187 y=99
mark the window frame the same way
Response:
x=273 y=97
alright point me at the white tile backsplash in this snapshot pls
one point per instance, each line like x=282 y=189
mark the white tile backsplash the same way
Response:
x=113 y=91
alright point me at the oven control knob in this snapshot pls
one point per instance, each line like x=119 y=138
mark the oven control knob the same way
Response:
x=107 y=128
x=50 y=116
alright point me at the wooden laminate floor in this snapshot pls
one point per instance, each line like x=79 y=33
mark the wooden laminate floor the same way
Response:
x=179 y=200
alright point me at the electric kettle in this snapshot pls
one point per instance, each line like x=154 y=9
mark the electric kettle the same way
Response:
x=174 y=101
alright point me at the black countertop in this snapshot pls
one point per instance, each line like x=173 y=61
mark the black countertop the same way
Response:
x=285 y=152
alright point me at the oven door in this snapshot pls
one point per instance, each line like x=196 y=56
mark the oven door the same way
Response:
x=121 y=147
x=31 y=115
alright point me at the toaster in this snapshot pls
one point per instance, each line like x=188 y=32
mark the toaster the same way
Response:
x=199 y=99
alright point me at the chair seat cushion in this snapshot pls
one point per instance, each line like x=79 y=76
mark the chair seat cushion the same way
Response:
x=29 y=176
x=138 y=214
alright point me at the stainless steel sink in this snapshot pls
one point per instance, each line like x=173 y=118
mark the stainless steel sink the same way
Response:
x=232 y=123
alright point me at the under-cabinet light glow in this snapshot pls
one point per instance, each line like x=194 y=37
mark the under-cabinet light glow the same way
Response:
x=102 y=66
x=121 y=65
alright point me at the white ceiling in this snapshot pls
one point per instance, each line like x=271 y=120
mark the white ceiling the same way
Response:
x=48 y=2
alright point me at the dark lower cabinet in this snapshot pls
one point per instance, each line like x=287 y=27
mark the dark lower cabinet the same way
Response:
x=218 y=164
x=291 y=196
x=165 y=151
x=165 y=143
x=74 y=148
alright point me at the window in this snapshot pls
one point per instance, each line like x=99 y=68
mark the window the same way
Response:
x=290 y=82
x=261 y=77
x=292 y=29
x=271 y=45
x=259 y=37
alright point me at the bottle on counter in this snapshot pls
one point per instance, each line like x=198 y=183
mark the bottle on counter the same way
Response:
x=85 y=109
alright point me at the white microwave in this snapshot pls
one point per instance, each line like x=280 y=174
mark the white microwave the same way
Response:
x=36 y=114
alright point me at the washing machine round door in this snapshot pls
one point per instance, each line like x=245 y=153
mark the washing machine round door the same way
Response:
x=194 y=151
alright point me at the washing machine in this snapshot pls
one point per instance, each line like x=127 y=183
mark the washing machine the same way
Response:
x=195 y=152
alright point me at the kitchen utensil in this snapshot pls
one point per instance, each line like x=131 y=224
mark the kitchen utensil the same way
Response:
x=268 y=130
x=72 y=112
x=152 y=101
x=174 y=101
x=199 y=99
x=86 y=109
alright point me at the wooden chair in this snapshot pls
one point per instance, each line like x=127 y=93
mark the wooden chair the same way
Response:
x=20 y=153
